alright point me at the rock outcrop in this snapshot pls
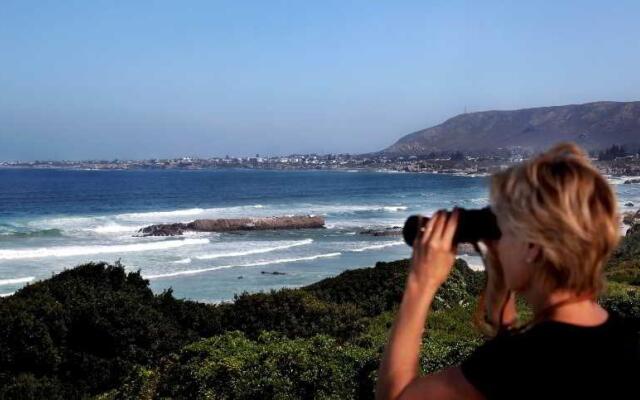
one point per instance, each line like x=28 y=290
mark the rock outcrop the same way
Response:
x=631 y=217
x=390 y=231
x=634 y=229
x=235 y=224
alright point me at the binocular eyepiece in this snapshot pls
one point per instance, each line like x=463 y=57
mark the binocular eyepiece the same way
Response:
x=473 y=225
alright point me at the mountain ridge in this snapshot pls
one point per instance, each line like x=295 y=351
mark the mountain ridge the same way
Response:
x=595 y=126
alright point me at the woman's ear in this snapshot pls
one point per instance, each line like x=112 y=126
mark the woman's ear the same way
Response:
x=532 y=253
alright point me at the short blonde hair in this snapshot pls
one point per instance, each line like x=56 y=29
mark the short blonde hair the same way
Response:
x=560 y=201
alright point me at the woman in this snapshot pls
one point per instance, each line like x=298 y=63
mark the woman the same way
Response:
x=559 y=223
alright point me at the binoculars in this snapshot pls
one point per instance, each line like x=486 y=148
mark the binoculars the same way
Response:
x=473 y=225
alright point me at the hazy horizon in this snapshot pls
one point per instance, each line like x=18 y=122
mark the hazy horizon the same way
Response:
x=100 y=80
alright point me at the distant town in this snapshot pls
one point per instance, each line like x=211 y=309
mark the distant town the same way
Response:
x=614 y=161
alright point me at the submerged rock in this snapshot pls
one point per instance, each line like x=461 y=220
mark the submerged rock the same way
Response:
x=634 y=229
x=391 y=231
x=631 y=217
x=235 y=224
x=163 y=230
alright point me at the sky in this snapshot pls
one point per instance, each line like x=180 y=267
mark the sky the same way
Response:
x=152 y=79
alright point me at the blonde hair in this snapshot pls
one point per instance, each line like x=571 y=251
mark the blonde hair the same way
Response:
x=560 y=201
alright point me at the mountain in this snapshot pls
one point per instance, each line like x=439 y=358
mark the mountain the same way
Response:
x=594 y=126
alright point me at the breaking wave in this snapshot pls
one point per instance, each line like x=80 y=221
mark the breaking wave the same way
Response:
x=254 y=251
x=68 y=251
x=254 y=264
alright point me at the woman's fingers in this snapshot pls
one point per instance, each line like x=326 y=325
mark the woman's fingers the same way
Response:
x=440 y=228
x=439 y=224
x=450 y=228
x=429 y=229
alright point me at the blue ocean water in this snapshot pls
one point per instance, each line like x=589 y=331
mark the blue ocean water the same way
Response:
x=56 y=219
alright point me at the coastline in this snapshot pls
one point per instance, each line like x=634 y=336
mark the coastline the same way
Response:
x=616 y=179
x=38 y=239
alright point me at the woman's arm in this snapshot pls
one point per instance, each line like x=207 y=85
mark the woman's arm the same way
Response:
x=433 y=257
x=399 y=366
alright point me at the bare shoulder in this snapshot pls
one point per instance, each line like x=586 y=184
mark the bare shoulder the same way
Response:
x=449 y=383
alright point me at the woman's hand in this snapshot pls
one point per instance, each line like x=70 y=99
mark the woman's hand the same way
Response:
x=433 y=250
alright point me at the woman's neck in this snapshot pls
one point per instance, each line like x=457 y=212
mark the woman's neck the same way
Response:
x=567 y=307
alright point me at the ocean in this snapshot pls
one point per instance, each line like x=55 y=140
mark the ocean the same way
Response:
x=51 y=220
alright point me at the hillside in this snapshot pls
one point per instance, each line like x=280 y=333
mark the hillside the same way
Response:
x=594 y=126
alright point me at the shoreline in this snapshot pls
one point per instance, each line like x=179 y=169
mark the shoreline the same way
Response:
x=614 y=179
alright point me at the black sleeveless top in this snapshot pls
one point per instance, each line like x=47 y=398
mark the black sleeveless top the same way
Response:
x=559 y=360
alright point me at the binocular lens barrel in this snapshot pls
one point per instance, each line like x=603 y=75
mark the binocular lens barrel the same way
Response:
x=473 y=225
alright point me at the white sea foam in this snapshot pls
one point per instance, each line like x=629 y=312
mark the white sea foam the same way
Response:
x=159 y=215
x=66 y=222
x=376 y=246
x=254 y=264
x=13 y=281
x=355 y=208
x=113 y=228
x=467 y=174
x=163 y=216
x=474 y=262
x=394 y=208
x=131 y=222
x=619 y=180
x=254 y=251
x=183 y=261
x=67 y=251
x=477 y=200
x=6 y=294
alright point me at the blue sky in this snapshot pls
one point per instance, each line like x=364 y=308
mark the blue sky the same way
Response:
x=137 y=79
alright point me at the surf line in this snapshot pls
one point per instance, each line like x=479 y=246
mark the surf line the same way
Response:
x=255 y=251
x=255 y=264
x=69 y=251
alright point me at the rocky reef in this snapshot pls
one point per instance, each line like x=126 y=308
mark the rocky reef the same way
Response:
x=390 y=231
x=631 y=217
x=234 y=224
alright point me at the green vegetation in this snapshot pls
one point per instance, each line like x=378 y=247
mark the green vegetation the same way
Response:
x=624 y=265
x=96 y=331
x=611 y=153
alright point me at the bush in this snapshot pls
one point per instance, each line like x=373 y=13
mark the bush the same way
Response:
x=292 y=312
x=379 y=289
x=624 y=265
x=271 y=367
x=83 y=330
x=623 y=300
